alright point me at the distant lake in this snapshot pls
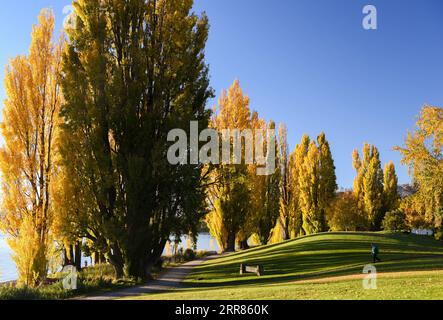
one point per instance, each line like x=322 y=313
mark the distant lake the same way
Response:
x=8 y=271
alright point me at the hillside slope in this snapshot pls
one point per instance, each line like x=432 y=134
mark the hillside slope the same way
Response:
x=325 y=266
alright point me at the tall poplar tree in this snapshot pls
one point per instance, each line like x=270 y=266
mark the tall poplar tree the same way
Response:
x=327 y=179
x=229 y=194
x=286 y=206
x=296 y=162
x=368 y=185
x=30 y=125
x=390 y=188
x=309 y=181
x=133 y=71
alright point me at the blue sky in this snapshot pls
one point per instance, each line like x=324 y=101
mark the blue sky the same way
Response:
x=310 y=64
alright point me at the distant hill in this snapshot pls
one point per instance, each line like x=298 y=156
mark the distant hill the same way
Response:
x=406 y=190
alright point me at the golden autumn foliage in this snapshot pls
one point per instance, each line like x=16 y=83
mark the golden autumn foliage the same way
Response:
x=423 y=154
x=229 y=193
x=29 y=128
x=242 y=203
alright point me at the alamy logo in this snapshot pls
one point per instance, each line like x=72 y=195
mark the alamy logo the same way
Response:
x=370 y=18
x=370 y=280
x=69 y=20
x=248 y=146
x=70 y=280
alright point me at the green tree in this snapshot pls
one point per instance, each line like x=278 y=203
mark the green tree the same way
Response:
x=390 y=188
x=134 y=70
x=267 y=208
x=327 y=179
x=368 y=185
x=309 y=181
x=296 y=162
x=394 y=221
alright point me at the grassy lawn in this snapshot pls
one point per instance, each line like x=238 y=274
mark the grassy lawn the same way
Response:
x=325 y=266
x=423 y=285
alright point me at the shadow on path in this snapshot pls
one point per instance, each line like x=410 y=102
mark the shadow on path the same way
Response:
x=171 y=279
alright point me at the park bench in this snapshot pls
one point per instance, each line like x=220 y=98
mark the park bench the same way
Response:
x=257 y=269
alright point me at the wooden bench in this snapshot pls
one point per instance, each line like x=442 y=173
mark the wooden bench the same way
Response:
x=257 y=269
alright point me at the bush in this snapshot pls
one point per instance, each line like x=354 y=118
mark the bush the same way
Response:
x=439 y=235
x=394 y=221
x=344 y=214
x=189 y=255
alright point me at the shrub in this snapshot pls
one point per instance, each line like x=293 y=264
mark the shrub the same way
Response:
x=439 y=235
x=394 y=221
x=344 y=214
x=189 y=255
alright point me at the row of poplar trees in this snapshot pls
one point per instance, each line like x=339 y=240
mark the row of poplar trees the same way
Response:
x=84 y=165
x=301 y=196
x=290 y=202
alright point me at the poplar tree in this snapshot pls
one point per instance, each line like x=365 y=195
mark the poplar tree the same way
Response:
x=390 y=188
x=327 y=179
x=29 y=127
x=229 y=194
x=296 y=162
x=368 y=185
x=286 y=206
x=267 y=196
x=133 y=71
x=309 y=182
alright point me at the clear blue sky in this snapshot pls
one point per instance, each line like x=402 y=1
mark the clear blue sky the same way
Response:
x=310 y=64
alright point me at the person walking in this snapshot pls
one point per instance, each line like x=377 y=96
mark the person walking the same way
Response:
x=375 y=251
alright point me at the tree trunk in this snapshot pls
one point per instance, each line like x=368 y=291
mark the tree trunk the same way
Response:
x=285 y=227
x=65 y=257
x=230 y=243
x=70 y=255
x=78 y=256
x=95 y=258
x=116 y=260
x=243 y=244
x=139 y=265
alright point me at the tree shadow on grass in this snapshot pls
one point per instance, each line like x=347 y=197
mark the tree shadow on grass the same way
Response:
x=336 y=255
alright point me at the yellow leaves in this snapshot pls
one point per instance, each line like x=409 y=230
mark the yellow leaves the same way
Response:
x=29 y=128
x=29 y=254
x=234 y=112
x=423 y=154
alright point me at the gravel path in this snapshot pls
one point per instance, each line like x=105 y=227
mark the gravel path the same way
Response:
x=171 y=279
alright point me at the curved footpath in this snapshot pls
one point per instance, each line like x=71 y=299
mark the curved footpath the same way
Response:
x=171 y=279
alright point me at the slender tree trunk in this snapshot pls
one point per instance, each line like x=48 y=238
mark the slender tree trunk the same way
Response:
x=284 y=223
x=70 y=260
x=78 y=256
x=230 y=243
x=95 y=258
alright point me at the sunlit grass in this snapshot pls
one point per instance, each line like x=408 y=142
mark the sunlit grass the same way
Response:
x=293 y=268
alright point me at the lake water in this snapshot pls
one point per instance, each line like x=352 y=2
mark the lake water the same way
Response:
x=8 y=270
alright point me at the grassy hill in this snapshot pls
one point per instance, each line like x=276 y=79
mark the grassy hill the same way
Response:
x=324 y=266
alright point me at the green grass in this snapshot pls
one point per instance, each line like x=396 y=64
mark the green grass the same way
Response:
x=292 y=270
x=426 y=285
